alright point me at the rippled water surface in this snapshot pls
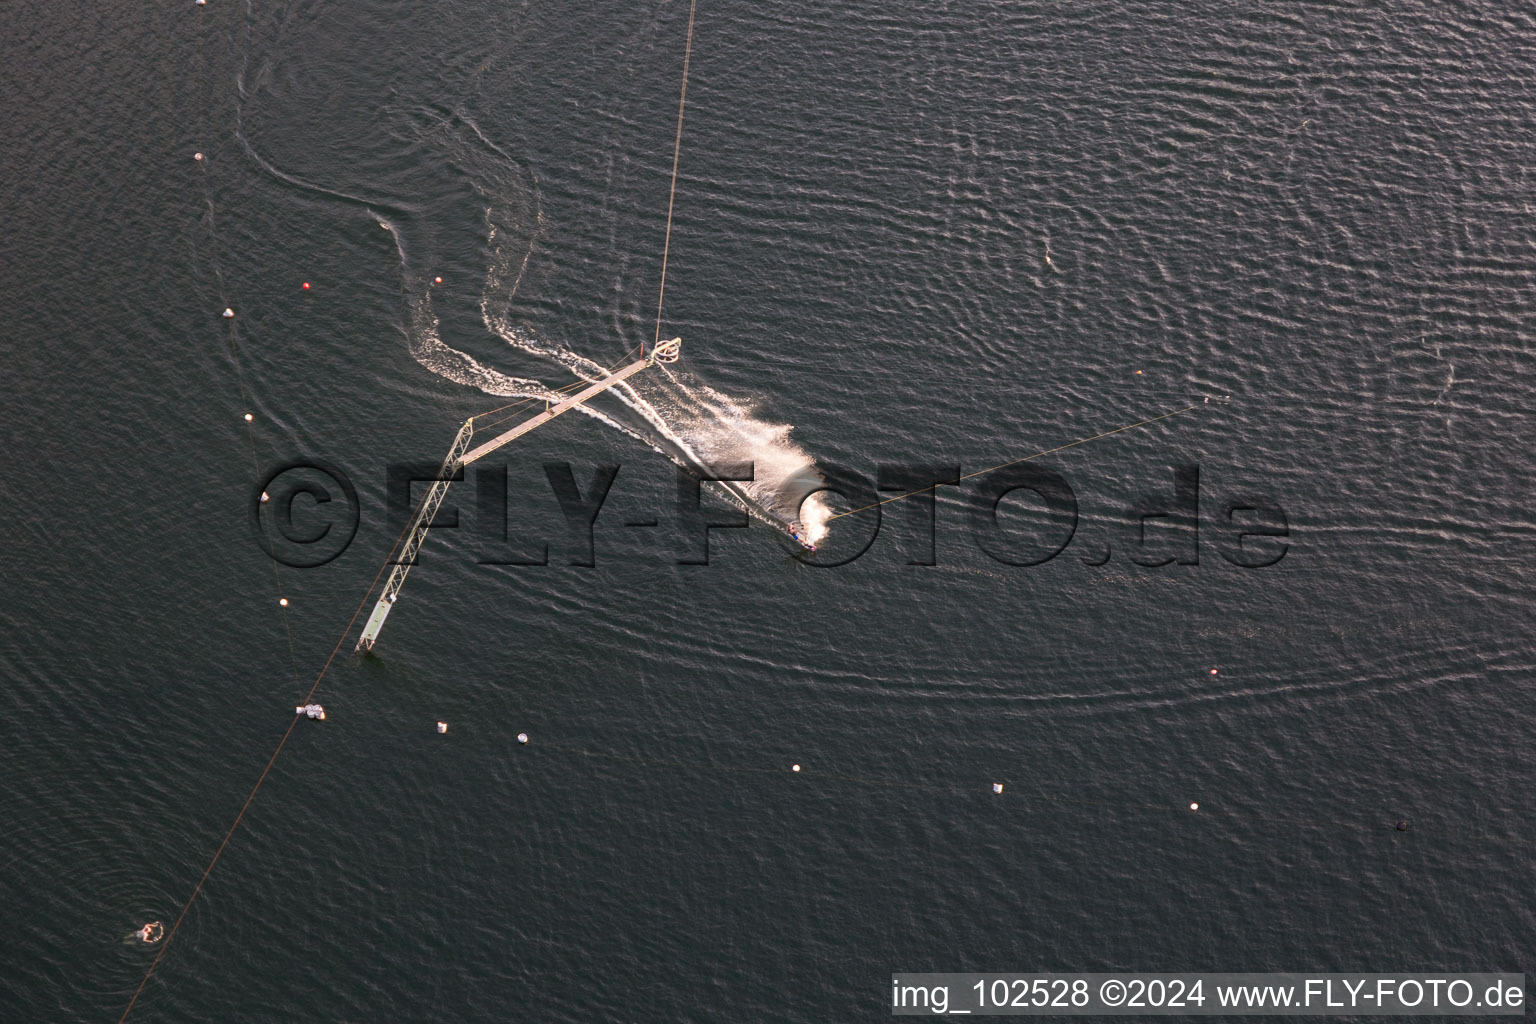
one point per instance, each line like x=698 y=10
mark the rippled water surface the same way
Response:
x=912 y=234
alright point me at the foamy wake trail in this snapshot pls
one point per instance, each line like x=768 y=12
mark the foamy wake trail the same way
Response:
x=692 y=424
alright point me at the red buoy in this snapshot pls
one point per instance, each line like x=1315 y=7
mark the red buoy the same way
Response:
x=306 y=286
x=437 y=280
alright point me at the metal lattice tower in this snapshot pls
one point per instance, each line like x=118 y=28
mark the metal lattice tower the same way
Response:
x=460 y=455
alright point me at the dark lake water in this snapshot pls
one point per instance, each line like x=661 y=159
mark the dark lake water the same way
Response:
x=906 y=235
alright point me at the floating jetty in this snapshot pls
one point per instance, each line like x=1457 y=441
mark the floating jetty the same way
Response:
x=460 y=454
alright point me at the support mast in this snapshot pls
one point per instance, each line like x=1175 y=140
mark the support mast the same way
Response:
x=460 y=455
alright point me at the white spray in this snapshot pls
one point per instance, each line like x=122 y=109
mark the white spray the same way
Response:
x=694 y=425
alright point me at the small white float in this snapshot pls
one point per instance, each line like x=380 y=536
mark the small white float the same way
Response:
x=311 y=711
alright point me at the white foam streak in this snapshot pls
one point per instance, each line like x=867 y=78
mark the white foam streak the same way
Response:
x=690 y=423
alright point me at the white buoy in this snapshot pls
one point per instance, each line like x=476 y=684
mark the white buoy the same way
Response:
x=442 y=726
x=283 y=601
x=997 y=787
x=228 y=313
x=1194 y=806
x=522 y=737
x=265 y=497
x=794 y=767
x=197 y=156
x=200 y=3
x=249 y=417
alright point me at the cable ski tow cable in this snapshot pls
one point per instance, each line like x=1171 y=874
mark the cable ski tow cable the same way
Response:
x=171 y=934
x=677 y=149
